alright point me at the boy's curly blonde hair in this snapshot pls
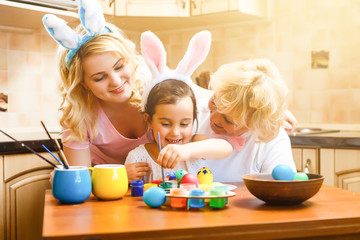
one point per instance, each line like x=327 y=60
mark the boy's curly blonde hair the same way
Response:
x=253 y=94
x=78 y=112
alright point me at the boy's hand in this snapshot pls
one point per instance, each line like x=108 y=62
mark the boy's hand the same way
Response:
x=172 y=154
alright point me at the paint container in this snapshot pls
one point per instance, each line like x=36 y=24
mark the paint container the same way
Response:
x=226 y=189
x=217 y=202
x=149 y=185
x=137 y=188
x=166 y=186
x=188 y=186
x=196 y=202
x=178 y=202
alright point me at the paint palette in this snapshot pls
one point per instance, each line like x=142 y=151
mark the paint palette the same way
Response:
x=216 y=196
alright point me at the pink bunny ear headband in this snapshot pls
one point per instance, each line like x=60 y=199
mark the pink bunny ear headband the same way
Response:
x=91 y=18
x=154 y=54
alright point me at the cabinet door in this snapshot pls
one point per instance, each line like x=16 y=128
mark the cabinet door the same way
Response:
x=341 y=168
x=306 y=158
x=201 y=7
x=154 y=8
x=347 y=169
x=108 y=6
x=252 y=7
x=25 y=179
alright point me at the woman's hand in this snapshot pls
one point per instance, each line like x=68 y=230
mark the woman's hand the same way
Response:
x=135 y=171
x=290 y=121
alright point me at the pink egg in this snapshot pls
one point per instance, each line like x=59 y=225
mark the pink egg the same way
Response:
x=190 y=178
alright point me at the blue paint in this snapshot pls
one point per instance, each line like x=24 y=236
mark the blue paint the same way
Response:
x=137 y=188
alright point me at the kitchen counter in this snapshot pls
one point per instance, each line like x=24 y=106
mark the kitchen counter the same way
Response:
x=340 y=139
x=33 y=140
x=332 y=213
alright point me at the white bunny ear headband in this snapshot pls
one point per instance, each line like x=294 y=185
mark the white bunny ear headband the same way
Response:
x=154 y=54
x=91 y=18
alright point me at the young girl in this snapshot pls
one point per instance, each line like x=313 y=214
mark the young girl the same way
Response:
x=170 y=111
x=248 y=105
x=101 y=86
x=169 y=106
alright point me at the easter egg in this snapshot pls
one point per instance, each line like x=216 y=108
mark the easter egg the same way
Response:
x=190 y=178
x=283 y=172
x=301 y=176
x=171 y=175
x=205 y=176
x=179 y=174
x=154 y=197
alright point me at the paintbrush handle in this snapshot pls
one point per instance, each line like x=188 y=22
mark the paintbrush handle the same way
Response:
x=28 y=148
x=62 y=154
x=57 y=147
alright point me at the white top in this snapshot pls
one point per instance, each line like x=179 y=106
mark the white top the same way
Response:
x=254 y=157
x=140 y=154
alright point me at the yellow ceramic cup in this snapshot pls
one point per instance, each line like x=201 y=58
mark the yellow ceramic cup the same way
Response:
x=109 y=181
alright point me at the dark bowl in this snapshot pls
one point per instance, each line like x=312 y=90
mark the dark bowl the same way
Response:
x=274 y=192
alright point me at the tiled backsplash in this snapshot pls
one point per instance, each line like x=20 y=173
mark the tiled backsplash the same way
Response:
x=28 y=67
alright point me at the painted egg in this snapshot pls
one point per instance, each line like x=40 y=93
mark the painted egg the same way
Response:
x=179 y=174
x=171 y=175
x=154 y=197
x=283 y=172
x=205 y=176
x=301 y=176
x=190 y=178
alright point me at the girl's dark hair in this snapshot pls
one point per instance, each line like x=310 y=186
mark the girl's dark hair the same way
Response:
x=169 y=92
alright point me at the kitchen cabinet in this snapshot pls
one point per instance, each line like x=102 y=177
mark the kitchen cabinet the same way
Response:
x=24 y=179
x=306 y=158
x=108 y=6
x=341 y=168
x=153 y=8
x=250 y=7
x=142 y=15
x=21 y=16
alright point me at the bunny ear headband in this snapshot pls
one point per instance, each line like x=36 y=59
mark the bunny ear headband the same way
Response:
x=91 y=18
x=154 y=54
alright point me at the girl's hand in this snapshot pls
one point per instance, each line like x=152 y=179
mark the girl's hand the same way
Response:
x=135 y=171
x=51 y=176
x=172 y=154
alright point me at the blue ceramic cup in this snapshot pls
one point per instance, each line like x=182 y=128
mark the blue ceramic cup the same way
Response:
x=71 y=186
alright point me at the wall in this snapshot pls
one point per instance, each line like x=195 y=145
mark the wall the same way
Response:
x=294 y=29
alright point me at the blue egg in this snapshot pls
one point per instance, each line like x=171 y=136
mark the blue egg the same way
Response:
x=283 y=172
x=171 y=175
x=154 y=197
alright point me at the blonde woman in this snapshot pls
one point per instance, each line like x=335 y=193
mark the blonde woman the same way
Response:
x=248 y=109
x=101 y=86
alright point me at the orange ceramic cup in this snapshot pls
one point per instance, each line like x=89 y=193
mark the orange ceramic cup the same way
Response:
x=109 y=181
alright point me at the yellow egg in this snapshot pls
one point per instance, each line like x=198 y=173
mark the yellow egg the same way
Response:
x=204 y=175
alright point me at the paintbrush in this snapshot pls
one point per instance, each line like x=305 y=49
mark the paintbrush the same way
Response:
x=28 y=148
x=52 y=154
x=56 y=146
x=162 y=168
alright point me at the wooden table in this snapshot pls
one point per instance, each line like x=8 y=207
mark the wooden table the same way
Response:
x=332 y=213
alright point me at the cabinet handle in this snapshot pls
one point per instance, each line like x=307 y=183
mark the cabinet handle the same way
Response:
x=193 y=4
x=183 y=4
x=306 y=168
x=111 y=2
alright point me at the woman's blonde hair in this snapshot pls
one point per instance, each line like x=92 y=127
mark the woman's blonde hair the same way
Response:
x=78 y=107
x=253 y=94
